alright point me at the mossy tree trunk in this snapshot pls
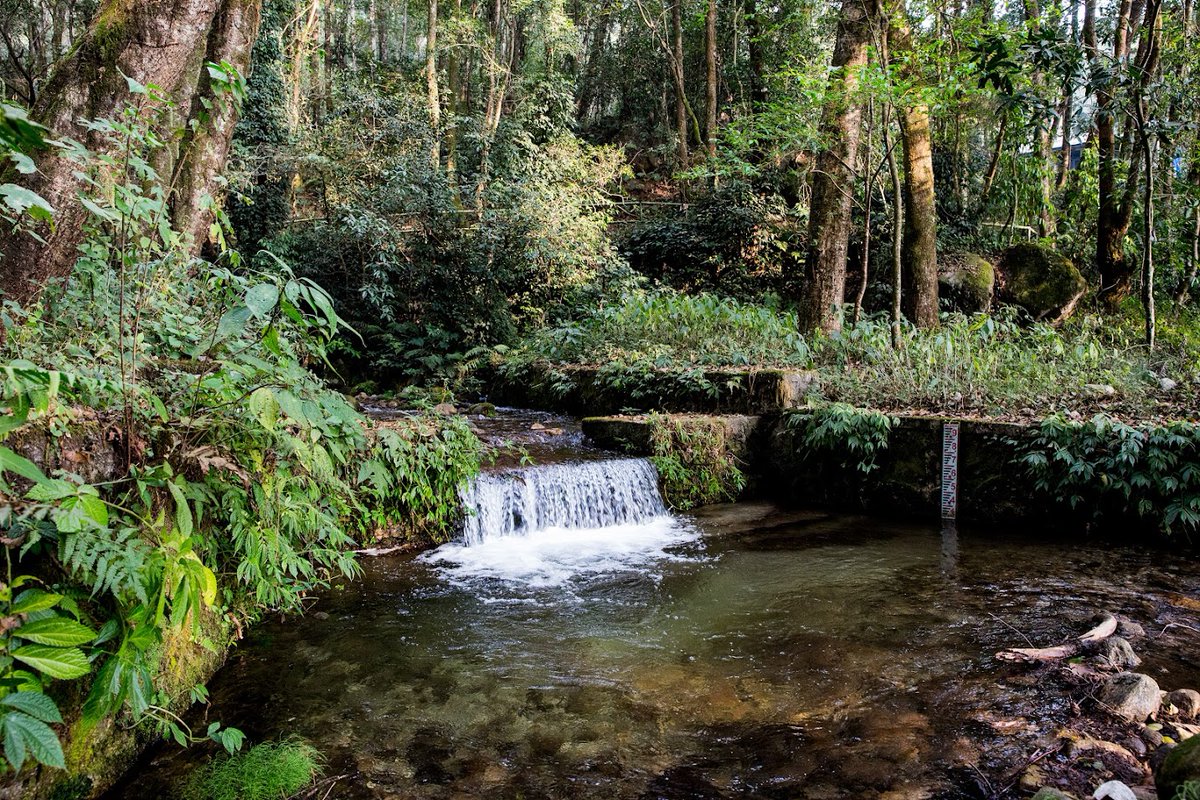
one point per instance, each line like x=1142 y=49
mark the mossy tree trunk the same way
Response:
x=160 y=42
x=835 y=175
x=920 y=201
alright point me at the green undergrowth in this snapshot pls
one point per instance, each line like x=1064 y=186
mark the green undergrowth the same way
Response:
x=1110 y=469
x=225 y=480
x=694 y=462
x=267 y=771
x=851 y=437
x=650 y=344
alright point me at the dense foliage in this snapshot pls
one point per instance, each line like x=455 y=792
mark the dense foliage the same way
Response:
x=239 y=483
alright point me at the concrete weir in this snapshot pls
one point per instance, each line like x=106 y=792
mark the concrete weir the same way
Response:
x=907 y=479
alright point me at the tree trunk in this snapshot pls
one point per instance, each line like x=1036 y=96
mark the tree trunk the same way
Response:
x=205 y=148
x=758 y=85
x=1115 y=273
x=681 y=118
x=453 y=104
x=920 y=202
x=431 y=83
x=164 y=43
x=710 y=83
x=834 y=176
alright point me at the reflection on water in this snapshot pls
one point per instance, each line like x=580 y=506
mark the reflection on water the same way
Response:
x=745 y=653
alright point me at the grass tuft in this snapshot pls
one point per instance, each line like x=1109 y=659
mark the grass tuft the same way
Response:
x=267 y=771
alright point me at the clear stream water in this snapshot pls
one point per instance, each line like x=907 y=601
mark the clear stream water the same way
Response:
x=611 y=650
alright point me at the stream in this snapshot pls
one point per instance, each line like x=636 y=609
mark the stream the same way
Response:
x=580 y=641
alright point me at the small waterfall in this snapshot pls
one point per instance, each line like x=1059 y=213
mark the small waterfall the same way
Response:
x=596 y=494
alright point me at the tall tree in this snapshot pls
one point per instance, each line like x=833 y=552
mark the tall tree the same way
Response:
x=710 y=83
x=166 y=43
x=920 y=203
x=833 y=179
x=431 y=85
x=681 y=115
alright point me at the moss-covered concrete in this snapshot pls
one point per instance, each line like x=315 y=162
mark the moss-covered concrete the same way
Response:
x=906 y=480
x=586 y=390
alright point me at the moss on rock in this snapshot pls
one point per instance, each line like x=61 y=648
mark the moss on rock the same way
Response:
x=967 y=281
x=1041 y=281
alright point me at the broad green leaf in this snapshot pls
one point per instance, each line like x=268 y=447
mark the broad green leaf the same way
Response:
x=11 y=462
x=32 y=600
x=264 y=406
x=35 y=704
x=183 y=512
x=22 y=200
x=27 y=733
x=57 y=631
x=233 y=322
x=64 y=663
x=261 y=299
x=53 y=489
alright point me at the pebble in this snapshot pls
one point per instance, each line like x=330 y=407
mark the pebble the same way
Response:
x=1167 y=384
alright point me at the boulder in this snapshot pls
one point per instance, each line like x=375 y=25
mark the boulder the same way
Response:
x=1041 y=281
x=1132 y=696
x=1187 y=701
x=1116 y=653
x=967 y=281
x=1181 y=765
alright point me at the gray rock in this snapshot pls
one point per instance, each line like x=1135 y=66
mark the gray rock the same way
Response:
x=1181 y=764
x=1187 y=701
x=1116 y=653
x=1114 y=790
x=1167 y=384
x=1151 y=737
x=1130 y=629
x=1132 y=696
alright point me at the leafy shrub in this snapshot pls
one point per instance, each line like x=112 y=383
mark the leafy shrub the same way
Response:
x=1147 y=472
x=267 y=771
x=734 y=240
x=242 y=482
x=694 y=463
x=851 y=437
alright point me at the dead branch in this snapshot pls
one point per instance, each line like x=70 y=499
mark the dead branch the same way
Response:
x=1106 y=628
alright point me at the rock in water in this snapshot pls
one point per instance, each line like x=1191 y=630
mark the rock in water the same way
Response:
x=1116 y=653
x=1132 y=696
x=1181 y=765
x=1187 y=701
x=1114 y=790
x=967 y=281
x=1040 y=280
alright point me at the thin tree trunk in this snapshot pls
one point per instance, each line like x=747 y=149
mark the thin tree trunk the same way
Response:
x=758 y=84
x=204 y=148
x=869 y=191
x=989 y=177
x=834 y=177
x=165 y=44
x=453 y=107
x=431 y=85
x=897 y=232
x=681 y=120
x=710 y=83
x=1115 y=273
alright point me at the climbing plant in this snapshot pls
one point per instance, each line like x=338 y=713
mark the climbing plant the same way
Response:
x=694 y=462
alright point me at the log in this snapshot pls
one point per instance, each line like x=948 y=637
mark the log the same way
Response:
x=1106 y=628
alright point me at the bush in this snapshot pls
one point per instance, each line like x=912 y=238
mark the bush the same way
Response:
x=695 y=466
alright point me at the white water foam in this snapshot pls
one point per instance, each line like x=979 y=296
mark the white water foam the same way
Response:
x=548 y=525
